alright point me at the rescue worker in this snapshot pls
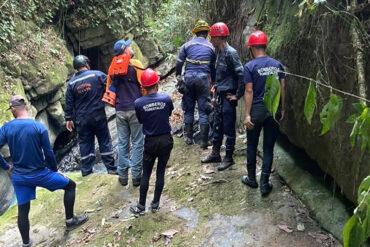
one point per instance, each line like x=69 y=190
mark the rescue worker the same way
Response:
x=229 y=87
x=34 y=165
x=83 y=100
x=129 y=130
x=256 y=115
x=199 y=55
x=153 y=111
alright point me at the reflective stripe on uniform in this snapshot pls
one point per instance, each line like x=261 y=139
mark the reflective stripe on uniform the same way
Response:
x=88 y=156
x=197 y=61
x=107 y=153
x=179 y=60
x=81 y=79
x=198 y=43
x=239 y=68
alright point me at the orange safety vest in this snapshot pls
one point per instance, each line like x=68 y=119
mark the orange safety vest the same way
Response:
x=119 y=66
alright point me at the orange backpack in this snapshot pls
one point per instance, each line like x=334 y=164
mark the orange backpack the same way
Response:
x=119 y=65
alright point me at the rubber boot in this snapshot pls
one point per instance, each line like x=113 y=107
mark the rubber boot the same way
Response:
x=188 y=134
x=204 y=129
x=250 y=179
x=213 y=157
x=265 y=184
x=227 y=161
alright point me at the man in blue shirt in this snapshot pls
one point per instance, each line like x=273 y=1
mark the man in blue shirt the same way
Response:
x=229 y=89
x=34 y=165
x=199 y=55
x=153 y=111
x=83 y=100
x=129 y=130
x=256 y=115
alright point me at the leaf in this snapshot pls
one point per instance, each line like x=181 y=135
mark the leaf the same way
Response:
x=285 y=228
x=169 y=233
x=317 y=235
x=131 y=240
x=272 y=94
x=352 y=118
x=310 y=102
x=353 y=235
x=330 y=113
x=364 y=186
x=359 y=107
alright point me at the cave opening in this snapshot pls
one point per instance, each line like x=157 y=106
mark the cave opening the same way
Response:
x=95 y=56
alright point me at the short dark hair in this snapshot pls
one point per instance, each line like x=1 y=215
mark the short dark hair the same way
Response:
x=150 y=87
x=260 y=46
x=201 y=33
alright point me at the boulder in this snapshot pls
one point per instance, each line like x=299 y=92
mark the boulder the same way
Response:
x=167 y=66
x=6 y=191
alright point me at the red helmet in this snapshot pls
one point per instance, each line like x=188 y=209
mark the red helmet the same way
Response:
x=257 y=38
x=149 y=78
x=219 y=29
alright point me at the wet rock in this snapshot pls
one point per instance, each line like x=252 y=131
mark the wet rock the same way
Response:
x=167 y=67
x=191 y=215
x=6 y=191
x=56 y=113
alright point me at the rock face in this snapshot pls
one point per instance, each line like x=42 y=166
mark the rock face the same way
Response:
x=36 y=68
x=6 y=191
x=318 y=46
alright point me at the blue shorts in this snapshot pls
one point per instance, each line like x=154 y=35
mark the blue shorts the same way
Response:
x=25 y=185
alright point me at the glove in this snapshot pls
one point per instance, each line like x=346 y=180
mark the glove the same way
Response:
x=180 y=86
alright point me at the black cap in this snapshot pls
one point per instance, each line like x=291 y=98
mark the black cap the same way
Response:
x=16 y=100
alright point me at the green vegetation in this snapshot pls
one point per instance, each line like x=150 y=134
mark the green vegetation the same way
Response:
x=272 y=94
x=357 y=228
x=173 y=22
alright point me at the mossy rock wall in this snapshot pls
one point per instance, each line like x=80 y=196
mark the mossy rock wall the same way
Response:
x=317 y=45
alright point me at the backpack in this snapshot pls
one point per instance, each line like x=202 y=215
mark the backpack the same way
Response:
x=119 y=65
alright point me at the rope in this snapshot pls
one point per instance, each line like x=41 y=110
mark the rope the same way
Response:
x=327 y=86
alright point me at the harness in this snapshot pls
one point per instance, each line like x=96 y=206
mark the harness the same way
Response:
x=197 y=61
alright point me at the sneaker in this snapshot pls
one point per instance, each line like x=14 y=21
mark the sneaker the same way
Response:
x=136 y=182
x=27 y=245
x=112 y=172
x=123 y=181
x=137 y=209
x=76 y=221
x=154 y=207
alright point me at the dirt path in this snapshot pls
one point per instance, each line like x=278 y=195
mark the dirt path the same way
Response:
x=200 y=207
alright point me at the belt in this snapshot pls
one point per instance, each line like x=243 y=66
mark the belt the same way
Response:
x=197 y=61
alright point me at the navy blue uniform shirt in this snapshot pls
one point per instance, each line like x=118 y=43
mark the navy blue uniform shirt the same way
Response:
x=229 y=72
x=153 y=111
x=197 y=49
x=257 y=70
x=29 y=146
x=83 y=96
x=128 y=89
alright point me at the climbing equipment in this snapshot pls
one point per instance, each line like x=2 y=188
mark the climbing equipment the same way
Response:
x=257 y=38
x=80 y=61
x=219 y=29
x=201 y=25
x=149 y=78
x=197 y=61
